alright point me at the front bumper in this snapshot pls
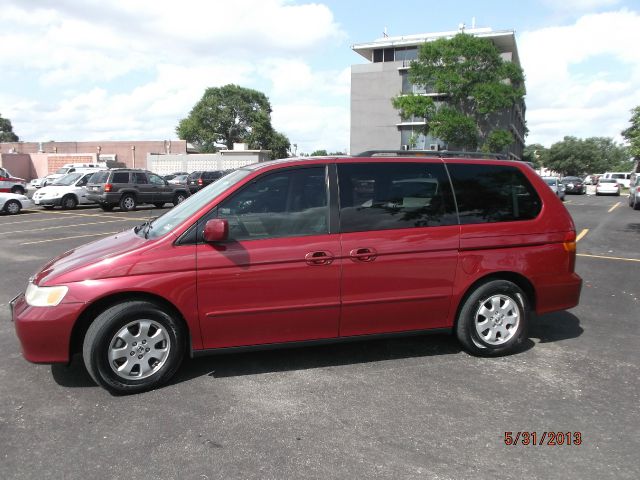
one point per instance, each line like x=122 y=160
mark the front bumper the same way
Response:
x=53 y=201
x=44 y=332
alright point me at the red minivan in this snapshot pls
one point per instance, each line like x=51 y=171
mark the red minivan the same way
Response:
x=312 y=250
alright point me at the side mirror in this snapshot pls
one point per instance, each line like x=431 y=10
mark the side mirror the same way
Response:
x=216 y=230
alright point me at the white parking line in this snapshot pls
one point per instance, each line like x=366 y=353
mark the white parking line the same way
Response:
x=582 y=234
x=69 y=238
x=59 y=226
x=609 y=258
x=614 y=207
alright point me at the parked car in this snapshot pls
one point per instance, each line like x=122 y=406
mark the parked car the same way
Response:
x=310 y=250
x=623 y=178
x=69 y=168
x=607 y=186
x=67 y=192
x=574 y=185
x=13 y=203
x=128 y=188
x=11 y=184
x=173 y=175
x=179 y=180
x=634 y=193
x=196 y=181
x=556 y=186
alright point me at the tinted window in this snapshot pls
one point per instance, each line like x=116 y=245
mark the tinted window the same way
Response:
x=155 y=179
x=140 y=177
x=283 y=204
x=99 y=177
x=120 y=177
x=382 y=196
x=493 y=193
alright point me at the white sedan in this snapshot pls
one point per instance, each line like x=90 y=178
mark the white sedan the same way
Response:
x=607 y=186
x=12 y=203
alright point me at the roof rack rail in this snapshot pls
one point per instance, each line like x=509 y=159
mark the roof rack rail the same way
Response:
x=430 y=153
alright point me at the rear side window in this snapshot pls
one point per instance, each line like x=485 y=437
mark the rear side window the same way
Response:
x=99 y=177
x=493 y=193
x=384 y=196
x=120 y=177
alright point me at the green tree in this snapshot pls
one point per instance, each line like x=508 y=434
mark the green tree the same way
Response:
x=6 y=131
x=536 y=154
x=232 y=114
x=475 y=84
x=632 y=134
x=319 y=153
x=575 y=156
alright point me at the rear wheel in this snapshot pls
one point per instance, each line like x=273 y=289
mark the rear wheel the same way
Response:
x=12 y=207
x=133 y=346
x=493 y=319
x=69 y=202
x=128 y=202
x=179 y=198
x=636 y=204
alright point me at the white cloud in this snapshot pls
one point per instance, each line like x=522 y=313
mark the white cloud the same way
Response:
x=127 y=70
x=568 y=92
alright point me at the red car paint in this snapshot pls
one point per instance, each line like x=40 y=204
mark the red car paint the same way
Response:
x=275 y=290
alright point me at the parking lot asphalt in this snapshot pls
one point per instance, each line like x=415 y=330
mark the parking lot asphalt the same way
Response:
x=416 y=407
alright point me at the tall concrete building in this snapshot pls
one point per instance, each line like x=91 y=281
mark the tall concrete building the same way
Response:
x=376 y=124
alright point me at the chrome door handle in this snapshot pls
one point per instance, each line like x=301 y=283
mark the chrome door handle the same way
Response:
x=363 y=254
x=319 y=258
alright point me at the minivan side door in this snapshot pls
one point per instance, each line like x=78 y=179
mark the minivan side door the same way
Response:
x=277 y=278
x=400 y=239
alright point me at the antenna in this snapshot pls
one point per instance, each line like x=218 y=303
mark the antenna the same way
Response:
x=384 y=32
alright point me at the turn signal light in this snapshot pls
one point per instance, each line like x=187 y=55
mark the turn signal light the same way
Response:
x=107 y=187
x=569 y=242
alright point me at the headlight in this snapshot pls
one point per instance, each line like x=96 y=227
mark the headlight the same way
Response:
x=44 y=296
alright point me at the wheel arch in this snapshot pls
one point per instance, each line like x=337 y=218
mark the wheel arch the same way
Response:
x=520 y=280
x=90 y=313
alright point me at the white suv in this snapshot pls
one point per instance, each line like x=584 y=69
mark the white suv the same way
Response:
x=67 y=192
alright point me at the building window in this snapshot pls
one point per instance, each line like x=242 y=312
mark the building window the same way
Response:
x=377 y=55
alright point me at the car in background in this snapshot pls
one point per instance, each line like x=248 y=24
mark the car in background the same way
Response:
x=179 y=179
x=11 y=184
x=70 y=168
x=67 y=192
x=634 y=193
x=201 y=178
x=173 y=175
x=555 y=185
x=607 y=186
x=129 y=187
x=13 y=203
x=574 y=185
x=623 y=178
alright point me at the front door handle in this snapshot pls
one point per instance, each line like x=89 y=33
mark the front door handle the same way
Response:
x=319 y=258
x=363 y=254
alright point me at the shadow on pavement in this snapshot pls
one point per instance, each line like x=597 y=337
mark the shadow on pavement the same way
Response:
x=547 y=328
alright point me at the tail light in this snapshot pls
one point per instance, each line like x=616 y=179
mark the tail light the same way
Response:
x=200 y=181
x=569 y=244
x=107 y=187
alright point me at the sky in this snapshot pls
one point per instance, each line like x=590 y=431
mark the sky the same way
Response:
x=130 y=70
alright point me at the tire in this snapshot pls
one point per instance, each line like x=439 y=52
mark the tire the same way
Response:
x=128 y=203
x=636 y=204
x=153 y=335
x=179 y=198
x=159 y=204
x=69 y=202
x=12 y=207
x=18 y=190
x=485 y=331
x=107 y=207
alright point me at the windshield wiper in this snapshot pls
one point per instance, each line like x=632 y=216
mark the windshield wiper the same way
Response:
x=143 y=226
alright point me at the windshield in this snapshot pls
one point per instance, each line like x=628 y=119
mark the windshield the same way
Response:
x=550 y=181
x=571 y=179
x=62 y=171
x=68 y=179
x=185 y=210
x=607 y=180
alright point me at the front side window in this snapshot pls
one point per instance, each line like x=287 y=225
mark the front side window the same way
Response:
x=383 y=196
x=140 y=178
x=493 y=193
x=282 y=204
x=155 y=179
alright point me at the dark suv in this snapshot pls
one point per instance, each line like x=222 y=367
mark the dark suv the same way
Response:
x=200 y=179
x=126 y=188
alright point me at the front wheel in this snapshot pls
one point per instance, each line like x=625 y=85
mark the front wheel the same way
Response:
x=493 y=319
x=69 y=202
x=132 y=347
x=12 y=207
